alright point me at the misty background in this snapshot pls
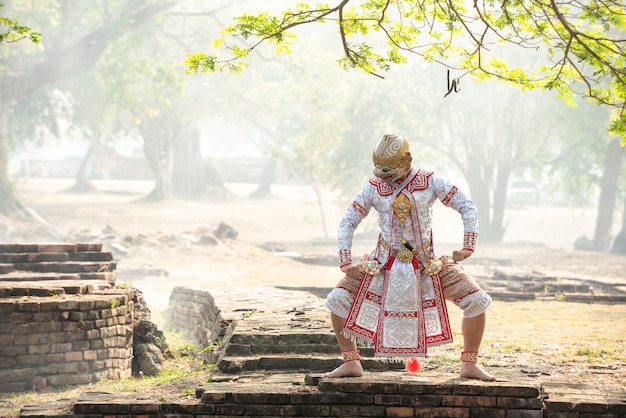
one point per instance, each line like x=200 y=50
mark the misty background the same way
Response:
x=105 y=96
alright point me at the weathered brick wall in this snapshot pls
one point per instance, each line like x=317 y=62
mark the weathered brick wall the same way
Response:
x=56 y=341
x=62 y=321
x=193 y=312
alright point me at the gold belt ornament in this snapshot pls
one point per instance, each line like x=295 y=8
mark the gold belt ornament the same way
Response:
x=404 y=255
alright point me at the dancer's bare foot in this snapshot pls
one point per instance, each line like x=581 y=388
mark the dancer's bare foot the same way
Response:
x=470 y=370
x=348 y=369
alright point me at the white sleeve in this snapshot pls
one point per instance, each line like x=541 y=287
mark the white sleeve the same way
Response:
x=454 y=198
x=356 y=212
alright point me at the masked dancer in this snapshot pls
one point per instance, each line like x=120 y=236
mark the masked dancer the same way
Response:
x=395 y=297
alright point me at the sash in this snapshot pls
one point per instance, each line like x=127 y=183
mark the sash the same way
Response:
x=402 y=185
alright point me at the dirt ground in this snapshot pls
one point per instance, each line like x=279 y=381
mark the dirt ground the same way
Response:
x=160 y=246
x=169 y=236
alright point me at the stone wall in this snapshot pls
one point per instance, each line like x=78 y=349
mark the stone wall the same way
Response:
x=193 y=313
x=65 y=340
x=62 y=319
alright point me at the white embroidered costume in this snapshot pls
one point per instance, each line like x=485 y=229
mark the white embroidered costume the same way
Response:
x=400 y=309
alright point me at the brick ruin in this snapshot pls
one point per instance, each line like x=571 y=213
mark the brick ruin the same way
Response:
x=63 y=319
x=274 y=345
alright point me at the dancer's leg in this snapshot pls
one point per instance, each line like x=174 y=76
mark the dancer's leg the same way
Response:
x=473 y=330
x=352 y=364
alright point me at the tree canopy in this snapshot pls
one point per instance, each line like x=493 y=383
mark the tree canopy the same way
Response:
x=582 y=44
x=302 y=111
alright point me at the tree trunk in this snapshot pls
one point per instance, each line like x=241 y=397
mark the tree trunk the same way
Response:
x=499 y=201
x=83 y=179
x=159 y=152
x=480 y=197
x=193 y=177
x=608 y=192
x=266 y=180
x=619 y=243
x=478 y=173
x=159 y=160
x=8 y=200
x=188 y=181
x=318 y=194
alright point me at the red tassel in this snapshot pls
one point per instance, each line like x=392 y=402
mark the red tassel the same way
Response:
x=413 y=365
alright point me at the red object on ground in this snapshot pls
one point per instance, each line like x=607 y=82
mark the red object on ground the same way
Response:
x=413 y=365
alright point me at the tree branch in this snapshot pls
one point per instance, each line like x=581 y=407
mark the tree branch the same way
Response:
x=79 y=57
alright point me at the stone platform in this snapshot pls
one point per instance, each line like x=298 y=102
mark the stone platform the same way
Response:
x=278 y=343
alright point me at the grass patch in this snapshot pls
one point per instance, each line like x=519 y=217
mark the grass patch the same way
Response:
x=599 y=351
x=554 y=331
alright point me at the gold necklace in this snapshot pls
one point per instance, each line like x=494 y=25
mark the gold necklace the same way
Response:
x=401 y=207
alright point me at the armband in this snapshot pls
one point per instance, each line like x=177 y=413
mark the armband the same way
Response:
x=469 y=241
x=345 y=258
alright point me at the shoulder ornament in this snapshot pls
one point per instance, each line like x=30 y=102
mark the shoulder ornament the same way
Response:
x=418 y=182
x=382 y=187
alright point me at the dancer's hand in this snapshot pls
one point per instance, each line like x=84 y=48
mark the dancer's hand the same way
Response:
x=461 y=255
x=353 y=271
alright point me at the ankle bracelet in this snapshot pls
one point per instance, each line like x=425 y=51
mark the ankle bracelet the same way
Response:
x=469 y=356
x=351 y=355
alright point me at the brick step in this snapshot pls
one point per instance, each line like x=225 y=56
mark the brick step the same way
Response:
x=49 y=247
x=29 y=276
x=67 y=267
x=6 y=268
x=233 y=349
x=51 y=288
x=282 y=338
x=90 y=256
x=385 y=394
x=439 y=396
x=250 y=350
x=298 y=362
x=48 y=409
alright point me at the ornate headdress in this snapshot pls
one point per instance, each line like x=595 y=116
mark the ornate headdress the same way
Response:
x=391 y=158
x=389 y=150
